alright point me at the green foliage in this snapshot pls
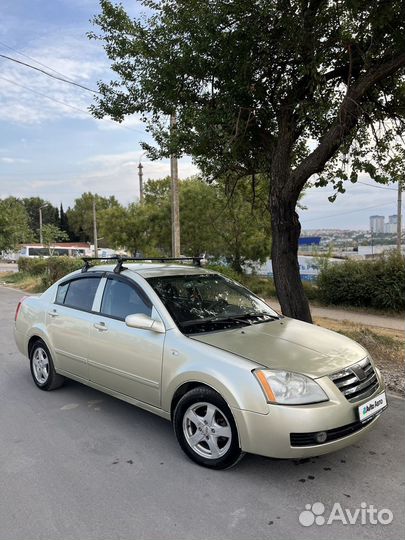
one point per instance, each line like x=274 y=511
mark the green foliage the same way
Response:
x=213 y=221
x=377 y=283
x=50 y=269
x=64 y=223
x=252 y=82
x=14 y=224
x=226 y=271
x=243 y=226
x=50 y=214
x=262 y=286
x=35 y=267
x=51 y=234
x=80 y=217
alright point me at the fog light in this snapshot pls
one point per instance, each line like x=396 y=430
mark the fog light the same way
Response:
x=321 y=437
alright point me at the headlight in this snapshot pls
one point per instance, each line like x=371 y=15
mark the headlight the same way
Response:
x=287 y=388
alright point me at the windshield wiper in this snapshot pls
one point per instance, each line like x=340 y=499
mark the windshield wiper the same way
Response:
x=260 y=315
x=243 y=318
x=223 y=320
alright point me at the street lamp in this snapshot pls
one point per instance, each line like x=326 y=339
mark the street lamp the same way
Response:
x=140 y=176
x=40 y=222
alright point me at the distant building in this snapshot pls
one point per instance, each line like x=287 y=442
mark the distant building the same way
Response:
x=393 y=219
x=391 y=227
x=377 y=224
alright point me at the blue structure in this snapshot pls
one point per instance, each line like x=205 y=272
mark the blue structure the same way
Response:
x=309 y=241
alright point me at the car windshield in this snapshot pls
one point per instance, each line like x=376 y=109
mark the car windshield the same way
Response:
x=209 y=302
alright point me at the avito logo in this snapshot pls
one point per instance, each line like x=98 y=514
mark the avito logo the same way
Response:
x=366 y=514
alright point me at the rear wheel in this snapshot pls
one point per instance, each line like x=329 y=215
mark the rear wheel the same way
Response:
x=42 y=368
x=206 y=430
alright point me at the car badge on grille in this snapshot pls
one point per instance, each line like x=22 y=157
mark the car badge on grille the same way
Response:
x=359 y=372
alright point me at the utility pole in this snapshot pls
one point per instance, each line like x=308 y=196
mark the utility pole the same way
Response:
x=399 y=216
x=174 y=174
x=140 y=175
x=95 y=227
x=40 y=222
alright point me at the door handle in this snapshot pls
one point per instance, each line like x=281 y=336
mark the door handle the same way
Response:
x=53 y=313
x=101 y=326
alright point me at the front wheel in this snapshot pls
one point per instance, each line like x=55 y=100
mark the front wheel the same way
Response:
x=42 y=368
x=205 y=429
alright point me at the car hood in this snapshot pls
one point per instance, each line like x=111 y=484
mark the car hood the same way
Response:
x=288 y=344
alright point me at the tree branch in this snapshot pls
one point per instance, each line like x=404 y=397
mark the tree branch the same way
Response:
x=346 y=119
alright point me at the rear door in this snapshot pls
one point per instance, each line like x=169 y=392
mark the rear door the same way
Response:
x=126 y=360
x=68 y=323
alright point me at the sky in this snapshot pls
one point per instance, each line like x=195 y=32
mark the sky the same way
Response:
x=55 y=149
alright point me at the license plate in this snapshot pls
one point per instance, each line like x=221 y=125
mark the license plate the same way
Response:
x=372 y=407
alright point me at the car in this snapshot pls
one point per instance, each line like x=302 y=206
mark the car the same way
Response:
x=194 y=347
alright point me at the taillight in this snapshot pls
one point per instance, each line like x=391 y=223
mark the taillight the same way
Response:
x=19 y=305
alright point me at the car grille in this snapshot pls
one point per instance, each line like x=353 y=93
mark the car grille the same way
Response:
x=358 y=381
x=309 y=439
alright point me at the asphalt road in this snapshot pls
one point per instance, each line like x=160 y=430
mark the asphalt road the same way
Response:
x=77 y=464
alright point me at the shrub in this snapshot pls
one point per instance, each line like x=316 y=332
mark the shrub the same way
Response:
x=60 y=266
x=376 y=283
x=35 y=267
x=225 y=271
x=311 y=290
x=51 y=269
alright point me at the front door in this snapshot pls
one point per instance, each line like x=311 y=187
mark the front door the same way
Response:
x=126 y=360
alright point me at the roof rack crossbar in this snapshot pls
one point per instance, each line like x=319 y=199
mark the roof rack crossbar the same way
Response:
x=120 y=260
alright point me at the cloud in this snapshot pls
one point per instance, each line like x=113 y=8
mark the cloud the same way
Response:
x=23 y=90
x=11 y=160
x=106 y=174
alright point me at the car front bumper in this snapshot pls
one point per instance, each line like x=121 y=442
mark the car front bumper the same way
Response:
x=270 y=434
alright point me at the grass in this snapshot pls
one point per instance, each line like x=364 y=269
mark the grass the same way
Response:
x=23 y=281
x=385 y=345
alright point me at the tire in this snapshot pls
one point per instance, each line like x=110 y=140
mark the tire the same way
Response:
x=42 y=367
x=198 y=418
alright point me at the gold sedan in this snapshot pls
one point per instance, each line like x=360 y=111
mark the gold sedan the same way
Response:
x=201 y=350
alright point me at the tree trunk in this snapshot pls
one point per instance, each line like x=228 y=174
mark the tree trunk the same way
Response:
x=286 y=230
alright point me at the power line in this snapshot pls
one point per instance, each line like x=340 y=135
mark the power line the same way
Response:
x=34 y=60
x=378 y=187
x=349 y=212
x=58 y=78
x=45 y=95
x=65 y=104
x=61 y=78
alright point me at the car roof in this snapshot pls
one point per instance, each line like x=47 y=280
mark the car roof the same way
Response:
x=147 y=270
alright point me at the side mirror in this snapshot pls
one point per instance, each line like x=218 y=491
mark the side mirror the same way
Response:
x=142 y=321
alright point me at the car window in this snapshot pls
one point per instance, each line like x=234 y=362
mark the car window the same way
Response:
x=121 y=299
x=80 y=293
x=60 y=295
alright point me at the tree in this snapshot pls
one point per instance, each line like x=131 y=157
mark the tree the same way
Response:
x=14 y=224
x=51 y=234
x=80 y=217
x=212 y=222
x=290 y=89
x=64 y=223
x=244 y=228
x=125 y=228
x=50 y=214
